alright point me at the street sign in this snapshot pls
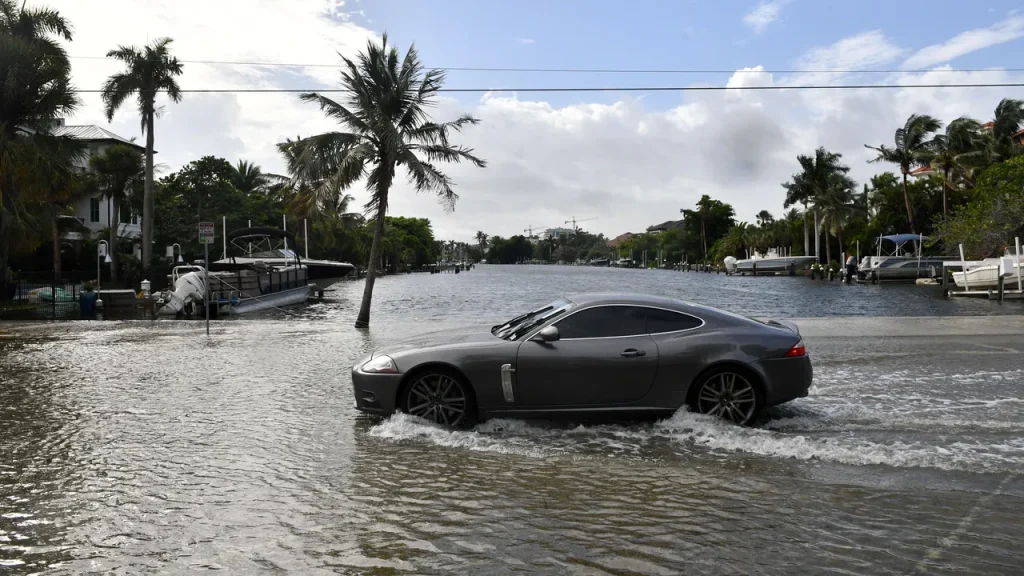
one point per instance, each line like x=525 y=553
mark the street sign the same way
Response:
x=206 y=232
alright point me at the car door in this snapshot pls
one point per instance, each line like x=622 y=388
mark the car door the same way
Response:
x=603 y=357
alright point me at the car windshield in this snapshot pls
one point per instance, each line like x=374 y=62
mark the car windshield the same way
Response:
x=521 y=325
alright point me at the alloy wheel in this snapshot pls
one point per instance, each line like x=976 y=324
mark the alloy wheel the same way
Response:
x=728 y=395
x=439 y=398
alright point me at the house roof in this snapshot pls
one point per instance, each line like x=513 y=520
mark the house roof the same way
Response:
x=667 y=225
x=922 y=171
x=94 y=133
x=620 y=239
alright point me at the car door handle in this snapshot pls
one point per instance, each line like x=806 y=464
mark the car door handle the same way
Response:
x=632 y=353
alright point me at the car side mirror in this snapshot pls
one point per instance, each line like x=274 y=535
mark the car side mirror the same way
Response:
x=548 y=334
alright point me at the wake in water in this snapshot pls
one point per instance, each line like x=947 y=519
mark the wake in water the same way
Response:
x=833 y=425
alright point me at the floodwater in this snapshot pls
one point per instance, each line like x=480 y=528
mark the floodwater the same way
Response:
x=143 y=446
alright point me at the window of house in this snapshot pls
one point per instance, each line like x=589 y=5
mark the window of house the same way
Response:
x=94 y=209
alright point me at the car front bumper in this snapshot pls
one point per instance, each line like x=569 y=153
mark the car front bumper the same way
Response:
x=375 y=393
x=786 y=379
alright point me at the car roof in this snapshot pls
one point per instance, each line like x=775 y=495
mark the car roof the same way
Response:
x=596 y=299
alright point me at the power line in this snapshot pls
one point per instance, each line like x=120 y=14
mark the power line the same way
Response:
x=591 y=70
x=613 y=89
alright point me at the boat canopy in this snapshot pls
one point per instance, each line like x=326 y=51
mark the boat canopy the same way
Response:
x=901 y=238
x=260 y=232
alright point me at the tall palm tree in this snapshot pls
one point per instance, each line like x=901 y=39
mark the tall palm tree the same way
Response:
x=953 y=151
x=118 y=174
x=248 y=178
x=148 y=70
x=481 y=240
x=1006 y=126
x=798 y=189
x=35 y=89
x=818 y=172
x=912 y=148
x=837 y=205
x=385 y=124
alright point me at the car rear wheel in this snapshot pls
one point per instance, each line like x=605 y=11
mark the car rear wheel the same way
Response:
x=730 y=395
x=440 y=397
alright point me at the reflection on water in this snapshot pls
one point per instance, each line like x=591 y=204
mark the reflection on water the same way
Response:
x=132 y=447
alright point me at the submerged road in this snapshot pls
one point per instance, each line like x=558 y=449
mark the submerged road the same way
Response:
x=130 y=447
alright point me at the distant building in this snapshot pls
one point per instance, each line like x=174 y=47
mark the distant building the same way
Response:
x=556 y=232
x=95 y=212
x=615 y=242
x=664 y=226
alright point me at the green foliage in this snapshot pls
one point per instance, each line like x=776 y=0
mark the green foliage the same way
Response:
x=511 y=251
x=407 y=242
x=992 y=218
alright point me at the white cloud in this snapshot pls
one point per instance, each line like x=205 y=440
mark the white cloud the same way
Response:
x=856 y=52
x=1009 y=29
x=622 y=162
x=526 y=40
x=764 y=14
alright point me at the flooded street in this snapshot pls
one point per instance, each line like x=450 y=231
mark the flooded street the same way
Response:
x=144 y=446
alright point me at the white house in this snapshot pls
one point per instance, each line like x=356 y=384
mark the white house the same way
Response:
x=95 y=212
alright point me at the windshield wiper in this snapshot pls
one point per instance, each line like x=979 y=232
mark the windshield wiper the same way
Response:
x=508 y=328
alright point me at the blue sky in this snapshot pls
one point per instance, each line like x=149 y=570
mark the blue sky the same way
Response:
x=628 y=159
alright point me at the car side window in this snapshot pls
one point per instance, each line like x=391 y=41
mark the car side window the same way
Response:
x=603 y=322
x=660 y=321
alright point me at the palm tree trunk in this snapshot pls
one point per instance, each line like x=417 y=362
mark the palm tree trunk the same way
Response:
x=839 y=234
x=817 y=236
x=828 y=249
x=147 y=201
x=906 y=198
x=703 y=238
x=7 y=194
x=363 y=320
x=115 y=223
x=55 y=238
x=807 y=234
x=945 y=203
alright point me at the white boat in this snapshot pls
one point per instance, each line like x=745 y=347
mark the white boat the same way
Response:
x=986 y=275
x=234 y=292
x=904 y=262
x=771 y=261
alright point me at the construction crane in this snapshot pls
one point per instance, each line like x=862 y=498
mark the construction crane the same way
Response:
x=529 y=230
x=574 y=221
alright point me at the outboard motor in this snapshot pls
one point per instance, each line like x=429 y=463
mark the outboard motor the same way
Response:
x=189 y=288
x=730 y=264
x=851 y=269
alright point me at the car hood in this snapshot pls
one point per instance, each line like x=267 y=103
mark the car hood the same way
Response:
x=453 y=338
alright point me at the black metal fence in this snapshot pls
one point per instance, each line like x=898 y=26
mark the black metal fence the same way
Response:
x=40 y=295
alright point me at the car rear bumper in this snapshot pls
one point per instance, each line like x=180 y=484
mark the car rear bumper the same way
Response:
x=786 y=379
x=375 y=393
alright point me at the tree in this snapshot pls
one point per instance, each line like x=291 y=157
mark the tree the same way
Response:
x=798 y=189
x=1006 y=125
x=148 y=70
x=818 y=172
x=953 y=151
x=714 y=218
x=118 y=173
x=35 y=89
x=912 y=148
x=249 y=178
x=385 y=118
x=993 y=216
x=765 y=218
x=837 y=206
x=481 y=241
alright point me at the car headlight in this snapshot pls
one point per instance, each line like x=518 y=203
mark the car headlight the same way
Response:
x=380 y=365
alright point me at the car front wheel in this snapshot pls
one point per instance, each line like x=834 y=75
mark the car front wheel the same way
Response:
x=441 y=398
x=730 y=395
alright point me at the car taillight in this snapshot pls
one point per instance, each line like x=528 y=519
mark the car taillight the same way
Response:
x=798 y=349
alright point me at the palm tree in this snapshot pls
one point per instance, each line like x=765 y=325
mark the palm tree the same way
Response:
x=799 y=190
x=912 y=148
x=818 y=172
x=35 y=89
x=118 y=174
x=481 y=240
x=837 y=205
x=248 y=178
x=148 y=70
x=1006 y=126
x=952 y=152
x=386 y=125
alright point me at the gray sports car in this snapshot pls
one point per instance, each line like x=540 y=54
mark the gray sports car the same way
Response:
x=604 y=355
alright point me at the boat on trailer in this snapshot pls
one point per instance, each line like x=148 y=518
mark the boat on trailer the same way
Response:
x=773 y=261
x=904 y=261
x=246 y=288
